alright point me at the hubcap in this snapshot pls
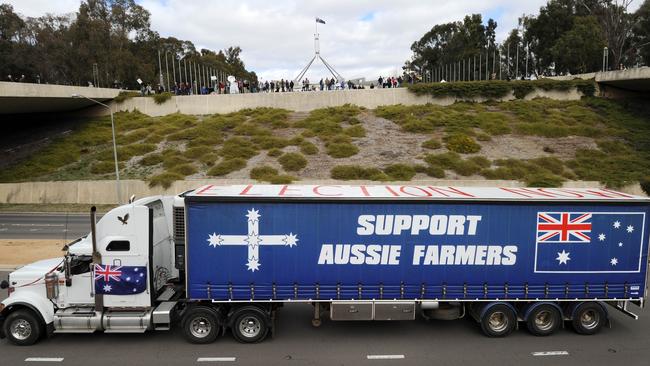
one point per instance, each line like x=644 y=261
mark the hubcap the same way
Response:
x=20 y=329
x=249 y=327
x=590 y=319
x=498 y=321
x=200 y=327
x=544 y=320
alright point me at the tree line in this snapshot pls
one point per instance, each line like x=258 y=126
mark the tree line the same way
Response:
x=566 y=37
x=106 y=42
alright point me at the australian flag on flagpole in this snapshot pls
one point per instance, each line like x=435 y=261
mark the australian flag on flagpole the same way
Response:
x=589 y=242
x=120 y=280
x=319 y=20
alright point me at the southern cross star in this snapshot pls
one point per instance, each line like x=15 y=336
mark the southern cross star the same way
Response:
x=214 y=239
x=617 y=224
x=290 y=240
x=614 y=261
x=630 y=228
x=253 y=265
x=563 y=257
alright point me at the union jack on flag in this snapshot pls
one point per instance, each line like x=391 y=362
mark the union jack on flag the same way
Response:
x=563 y=227
x=108 y=272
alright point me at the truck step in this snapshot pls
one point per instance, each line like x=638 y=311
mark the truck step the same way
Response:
x=123 y=330
x=74 y=330
x=166 y=295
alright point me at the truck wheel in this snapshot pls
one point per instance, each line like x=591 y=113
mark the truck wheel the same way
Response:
x=544 y=320
x=249 y=325
x=588 y=318
x=498 y=321
x=200 y=326
x=22 y=327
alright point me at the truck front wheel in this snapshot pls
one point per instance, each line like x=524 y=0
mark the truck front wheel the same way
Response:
x=22 y=327
x=498 y=321
x=588 y=318
x=200 y=325
x=249 y=325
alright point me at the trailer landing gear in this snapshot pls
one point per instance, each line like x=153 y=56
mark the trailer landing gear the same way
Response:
x=316 y=322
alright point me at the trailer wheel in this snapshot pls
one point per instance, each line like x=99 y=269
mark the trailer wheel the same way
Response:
x=588 y=318
x=498 y=321
x=544 y=320
x=250 y=325
x=22 y=327
x=200 y=325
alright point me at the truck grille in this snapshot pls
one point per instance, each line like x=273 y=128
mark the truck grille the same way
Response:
x=179 y=224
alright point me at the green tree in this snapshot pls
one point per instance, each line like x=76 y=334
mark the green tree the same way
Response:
x=580 y=49
x=642 y=32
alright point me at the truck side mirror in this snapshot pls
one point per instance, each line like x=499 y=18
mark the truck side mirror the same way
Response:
x=4 y=284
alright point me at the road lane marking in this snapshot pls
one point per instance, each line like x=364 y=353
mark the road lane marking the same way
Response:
x=385 y=357
x=551 y=353
x=216 y=359
x=44 y=359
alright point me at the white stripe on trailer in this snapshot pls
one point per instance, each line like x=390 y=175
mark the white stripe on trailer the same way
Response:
x=44 y=359
x=385 y=357
x=551 y=353
x=216 y=359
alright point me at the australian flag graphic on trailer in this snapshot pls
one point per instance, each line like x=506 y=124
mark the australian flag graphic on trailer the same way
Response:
x=589 y=242
x=120 y=280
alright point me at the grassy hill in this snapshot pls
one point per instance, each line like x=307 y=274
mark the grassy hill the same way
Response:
x=541 y=142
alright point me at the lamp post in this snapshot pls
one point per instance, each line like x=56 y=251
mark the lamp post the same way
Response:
x=117 y=170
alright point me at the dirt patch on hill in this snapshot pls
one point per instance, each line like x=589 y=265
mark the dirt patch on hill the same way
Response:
x=22 y=251
x=530 y=147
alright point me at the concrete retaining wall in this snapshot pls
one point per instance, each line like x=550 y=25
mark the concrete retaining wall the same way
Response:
x=104 y=192
x=304 y=101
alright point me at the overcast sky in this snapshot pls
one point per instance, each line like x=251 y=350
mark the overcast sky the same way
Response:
x=362 y=38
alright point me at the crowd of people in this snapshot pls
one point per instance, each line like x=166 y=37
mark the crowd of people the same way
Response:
x=282 y=85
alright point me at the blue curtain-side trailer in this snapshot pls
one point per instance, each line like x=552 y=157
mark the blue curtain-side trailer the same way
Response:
x=389 y=253
x=228 y=257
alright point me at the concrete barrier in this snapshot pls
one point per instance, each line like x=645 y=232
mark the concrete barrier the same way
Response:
x=104 y=192
x=306 y=101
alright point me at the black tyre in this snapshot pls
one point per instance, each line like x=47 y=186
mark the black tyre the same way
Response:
x=544 y=320
x=200 y=325
x=249 y=325
x=23 y=327
x=588 y=318
x=498 y=321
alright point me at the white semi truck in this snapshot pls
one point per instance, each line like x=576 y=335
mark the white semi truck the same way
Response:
x=227 y=257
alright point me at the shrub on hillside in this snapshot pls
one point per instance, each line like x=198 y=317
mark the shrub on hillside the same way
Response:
x=431 y=144
x=274 y=152
x=292 y=161
x=341 y=149
x=308 y=148
x=151 y=159
x=462 y=144
x=400 y=172
x=162 y=97
x=164 y=179
x=263 y=172
x=356 y=172
x=227 y=166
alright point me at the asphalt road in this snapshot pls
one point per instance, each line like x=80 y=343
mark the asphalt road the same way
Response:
x=296 y=342
x=43 y=225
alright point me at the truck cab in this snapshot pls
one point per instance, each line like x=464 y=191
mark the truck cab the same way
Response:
x=113 y=279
